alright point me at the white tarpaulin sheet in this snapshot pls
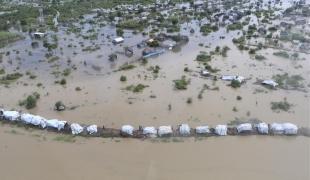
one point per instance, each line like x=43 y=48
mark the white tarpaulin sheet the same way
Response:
x=289 y=128
x=277 y=128
x=55 y=123
x=150 y=131
x=127 y=129
x=262 y=128
x=221 y=130
x=270 y=83
x=92 y=129
x=11 y=115
x=76 y=128
x=34 y=120
x=230 y=78
x=244 y=127
x=202 y=129
x=164 y=130
x=185 y=129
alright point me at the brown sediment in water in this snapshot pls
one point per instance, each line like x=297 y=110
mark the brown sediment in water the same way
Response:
x=277 y=158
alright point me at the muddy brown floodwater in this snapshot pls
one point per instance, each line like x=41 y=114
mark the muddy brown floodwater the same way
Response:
x=31 y=155
x=36 y=155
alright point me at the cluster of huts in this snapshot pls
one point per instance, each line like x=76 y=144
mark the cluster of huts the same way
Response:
x=183 y=130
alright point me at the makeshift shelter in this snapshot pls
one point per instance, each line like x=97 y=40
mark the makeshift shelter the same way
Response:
x=118 y=40
x=205 y=73
x=92 y=129
x=150 y=131
x=290 y=129
x=230 y=78
x=262 y=128
x=221 y=130
x=271 y=83
x=33 y=120
x=76 y=128
x=55 y=123
x=185 y=130
x=276 y=128
x=39 y=35
x=127 y=130
x=165 y=131
x=246 y=127
x=10 y=115
x=202 y=129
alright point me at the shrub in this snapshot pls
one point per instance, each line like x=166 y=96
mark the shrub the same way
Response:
x=203 y=57
x=280 y=106
x=189 y=100
x=63 y=81
x=126 y=67
x=123 y=78
x=260 y=57
x=31 y=101
x=136 y=89
x=181 y=84
x=235 y=83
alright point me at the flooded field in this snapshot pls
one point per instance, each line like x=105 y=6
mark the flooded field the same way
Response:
x=95 y=79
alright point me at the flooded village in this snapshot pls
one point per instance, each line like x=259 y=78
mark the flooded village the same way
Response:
x=129 y=68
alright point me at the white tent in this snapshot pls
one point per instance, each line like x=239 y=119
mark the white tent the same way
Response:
x=290 y=129
x=262 y=128
x=34 y=120
x=127 y=129
x=164 y=130
x=221 y=130
x=11 y=115
x=55 y=123
x=277 y=128
x=76 y=128
x=202 y=130
x=92 y=129
x=185 y=130
x=150 y=131
x=244 y=127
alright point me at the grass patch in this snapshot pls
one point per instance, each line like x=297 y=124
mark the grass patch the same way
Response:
x=126 y=67
x=286 y=81
x=7 y=79
x=8 y=37
x=136 y=89
x=281 y=106
x=65 y=138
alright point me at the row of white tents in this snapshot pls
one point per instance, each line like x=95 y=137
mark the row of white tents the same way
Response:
x=150 y=131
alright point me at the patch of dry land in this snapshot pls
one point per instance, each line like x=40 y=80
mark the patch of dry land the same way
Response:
x=49 y=57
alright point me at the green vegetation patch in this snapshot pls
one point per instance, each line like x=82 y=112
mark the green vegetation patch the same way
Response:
x=8 y=37
x=282 y=54
x=136 y=88
x=281 y=106
x=126 y=67
x=181 y=84
x=286 y=81
x=207 y=29
x=7 y=79
x=65 y=138
x=31 y=101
